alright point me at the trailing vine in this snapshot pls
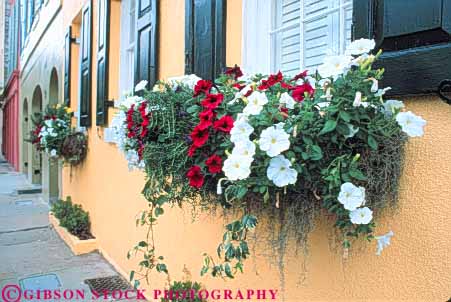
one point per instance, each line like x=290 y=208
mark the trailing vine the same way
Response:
x=279 y=145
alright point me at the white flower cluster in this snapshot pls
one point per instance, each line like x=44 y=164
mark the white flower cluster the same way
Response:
x=238 y=165
x=352 y=198
x=187 y=80
x=357 y=54
x=48 y=132
x=273 y=140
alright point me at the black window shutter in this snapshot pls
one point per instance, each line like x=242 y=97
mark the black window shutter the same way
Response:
x=146 y=43
x=415 y=37
x=85 y=66
x=103 y=25
x=205 y=22
x=67 y=58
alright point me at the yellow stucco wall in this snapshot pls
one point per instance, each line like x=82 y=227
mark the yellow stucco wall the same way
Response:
x=416 y=267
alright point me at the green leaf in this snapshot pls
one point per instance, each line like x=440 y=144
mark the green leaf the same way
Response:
x=193 y=109
x=158 y=211
x=132 y=275
x=317 y=153
x=228 y=271
x=372 y=142
x=329 y=126
x=161 y=267
x=345 y=116
x=357 y=174
x=241 y=192
x=249 y=221
x=142 y=244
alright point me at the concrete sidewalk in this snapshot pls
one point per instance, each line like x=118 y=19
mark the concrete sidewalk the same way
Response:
x=30 y=247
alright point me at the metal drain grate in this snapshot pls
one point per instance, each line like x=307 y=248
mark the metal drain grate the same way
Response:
x=108 y=284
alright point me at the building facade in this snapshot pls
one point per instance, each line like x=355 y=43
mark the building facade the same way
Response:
x=41 y=60
x=10 y=107
x=99 y=48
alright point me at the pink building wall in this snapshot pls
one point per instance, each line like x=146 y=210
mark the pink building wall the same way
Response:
x=10 y=144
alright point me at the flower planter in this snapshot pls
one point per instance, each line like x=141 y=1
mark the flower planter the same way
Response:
x=77 y=246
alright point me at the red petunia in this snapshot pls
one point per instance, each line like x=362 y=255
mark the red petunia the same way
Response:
x=234 y=71
x=287 y=86
x=214 y=164
x=199 y=135
x=212 y=101
x=300 y=75
x=300 y=90
x=271 y=81
x=238 y=86
x=195 y=176
x=202 y=86
x=206 y=118
x=224 y=124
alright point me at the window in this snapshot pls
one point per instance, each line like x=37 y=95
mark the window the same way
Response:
x=299 y=34
x=128 y=8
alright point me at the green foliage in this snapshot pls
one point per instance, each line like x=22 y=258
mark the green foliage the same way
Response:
x=182 y=291
x=329 y=145
x=73 y=218
x=234 y=249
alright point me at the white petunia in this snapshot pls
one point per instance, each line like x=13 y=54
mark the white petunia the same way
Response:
x=361 y=216
x=240 y=130
x=280 y=172
x=244 y=148
x=133 y=160
x=274 y=140
x=351 y=196
x=53 y=153
x=352 y=131
x=390 y=106
x=358 y=100
x=328 y=96
x=334 y=65
x=237 y=167
x=187 y=80
x=48 y=123
x=411 y=123
x=360 y=46
x=288 y=100
x=131 y=100
x=381 y=92
x=140 y=86
x=375 y=85
x=383 y=241
x=255 y=104
x=240 y=94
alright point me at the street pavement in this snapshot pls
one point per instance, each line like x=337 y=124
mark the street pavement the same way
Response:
x=30 y=247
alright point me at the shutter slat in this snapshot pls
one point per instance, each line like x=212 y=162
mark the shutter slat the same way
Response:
x=103 y=24
x=205 y=37
x=146 y=42
x=85 y=66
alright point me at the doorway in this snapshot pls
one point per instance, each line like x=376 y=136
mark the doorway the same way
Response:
x=25 y=135
x=36 y=158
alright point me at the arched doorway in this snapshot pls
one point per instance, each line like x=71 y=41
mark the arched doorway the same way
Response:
x=36 y=158
x=25 y=135
x=53 y=165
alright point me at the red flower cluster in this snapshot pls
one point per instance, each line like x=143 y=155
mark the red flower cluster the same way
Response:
x=272 y=80
x=195 y=176
x=139 y=130
x=235 y=72
x=300 y=90
x=201 y=133
x=202 y=86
